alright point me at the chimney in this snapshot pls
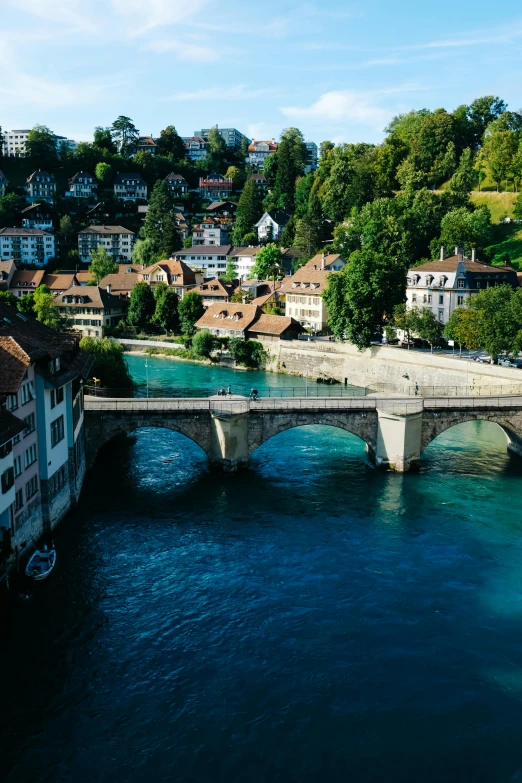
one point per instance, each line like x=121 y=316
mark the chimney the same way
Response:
x=109 y=287
x=322 y=261
x=473 y=255
x=442 y=253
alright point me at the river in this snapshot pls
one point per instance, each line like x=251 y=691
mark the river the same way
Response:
x=310 y=619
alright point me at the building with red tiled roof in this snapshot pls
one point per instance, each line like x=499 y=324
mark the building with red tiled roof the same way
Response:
x=247 y=321
x=90 y=309
x=176 y=274
x=214 y=291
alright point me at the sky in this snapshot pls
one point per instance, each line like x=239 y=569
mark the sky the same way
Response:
x=337 y=70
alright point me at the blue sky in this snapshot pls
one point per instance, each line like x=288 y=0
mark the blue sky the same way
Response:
x=335 y=69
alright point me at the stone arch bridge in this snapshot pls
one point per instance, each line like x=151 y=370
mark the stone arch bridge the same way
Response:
x=396 y=431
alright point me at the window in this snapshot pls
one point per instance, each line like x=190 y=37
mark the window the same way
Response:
x=17 y=466
x=7 y=480
x=58 y=480
x=460 y=300
x=460 y=283
x=57 y=431
x=12 y=402
x=19 y=501
x=30 y=424
x=30 y=456
x=429 y=298
x=31 y=488
x=441 y=315
x=27 y=392
x=441 y=298
x=57 y=396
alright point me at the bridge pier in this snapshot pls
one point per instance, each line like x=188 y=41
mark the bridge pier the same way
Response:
x=229 y=440
x=398 y=440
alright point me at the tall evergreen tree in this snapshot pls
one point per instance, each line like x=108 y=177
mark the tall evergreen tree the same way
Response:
x=160 y=223
x=125 y=133
x=291 y=159
x=142 y=306
x=249 y=210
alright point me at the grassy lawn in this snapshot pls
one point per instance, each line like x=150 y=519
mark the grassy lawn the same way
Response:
x=508 y=239
x=500 y=204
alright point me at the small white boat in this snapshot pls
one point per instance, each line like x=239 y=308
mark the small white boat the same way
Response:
x=41 y=563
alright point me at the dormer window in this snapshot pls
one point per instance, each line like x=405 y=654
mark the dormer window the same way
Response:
x=442 y=281
x=429 y=279
x=461 y=283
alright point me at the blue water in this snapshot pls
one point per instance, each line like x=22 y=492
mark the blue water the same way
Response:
x=311 y=619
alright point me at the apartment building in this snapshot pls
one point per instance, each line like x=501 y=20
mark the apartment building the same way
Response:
x=89 y=309
x=26 y=245
x=82 y=185
x=40 y=186
x=13 y=145
x=174 y=273
x=210 y=260
x=304 y=291
x=215 y=187
x=211 y=231
x=233 y=138
x=195 y=147
x=37 y=215
x=4 y=182
x=117 y=241
x=146 y=144
x=244 y=259
x=41 y=387
x=259 y=151
x=130 y=187
x=25 y=281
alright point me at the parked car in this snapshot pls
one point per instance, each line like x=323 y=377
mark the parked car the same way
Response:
x=406 y=343
x=484 y=358
x=506 y=361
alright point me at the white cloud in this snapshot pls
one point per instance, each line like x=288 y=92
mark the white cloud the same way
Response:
x=157 y=12
x=65 y=12
x=188 y=52
x=234 y=92
x=341 y=105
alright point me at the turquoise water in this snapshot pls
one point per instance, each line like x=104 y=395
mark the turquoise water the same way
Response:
x=310 y=619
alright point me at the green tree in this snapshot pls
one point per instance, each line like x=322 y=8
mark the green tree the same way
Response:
x=190 y=310
x=309 y=229
x=8 y=298
x=517 y=207
x=10 y=207
x=291 y=159
x=463 y=178
x=230 y=273
x=160 y=225
x=141 y=306
x=429 y=328
x=171 y=143
x=25 y=304
x=66 y=227
x=40 y=147
x=203 y=344
x=104 y=141
x=499 y=151
x=462 y=228
x=236 y=175
x=143 y=253
x=166 y=312
x=268 y=264
x=462 y=326
x=406 y=319
x=103 y=173
x=109 y=363
x=45 y=307
x=482 y=112
x=249 y=211
x=249 y=353
x=101 y=264
x=217 y=149
x=125 y=134
x=350 y=182
x=498 y=324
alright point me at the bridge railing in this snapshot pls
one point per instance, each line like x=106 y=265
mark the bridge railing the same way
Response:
x=170 y=392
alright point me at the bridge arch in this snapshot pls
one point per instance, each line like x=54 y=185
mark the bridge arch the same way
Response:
x=100 y=430
x=435 y=423
x=361 y=424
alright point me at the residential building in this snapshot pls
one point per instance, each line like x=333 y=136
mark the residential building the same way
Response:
x=247 y=321
x=259 y=151
x=312 y=156
x=214 y=291
x=211 y=231
x=271 y=225
x=119 y=284
x=7 y=270
x=26 y=245
x=13 y=145
x=11 y=428
x=64 y=144
x=245 y=259
x=177 y=184
x=233 y=138
x=196 y=147
x=304 y=291
x=146 y=144
x=215 y=186
x=211 y=260
x=183 y=226
x=41 y=385
x=448 y=283
x=4 y=182
x=38 y=215
x=174 y=273
x=117 y=241
x=222 y=209
x=90 y=309
x=25 y=281
x=259 y=180
x=82 y=185
x=130 y=187
x=273 y=297
x=40 y=186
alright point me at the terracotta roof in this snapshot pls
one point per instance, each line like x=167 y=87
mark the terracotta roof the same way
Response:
x=272 y=146
x=146 y=140
x=27 y=279
x=215 y=287
x=120 y=282
x=329 y=260
x=7 y=265
x=205 y=250
x=307 y=281
x=450 y=265
x=93 y=295
x=220 y=205
x=274 y=324
x=60 y=282
x=245 y=251
x=105 y=230
x=173 y=267
x=228 y=316
x=262 y=300
x=83 y=277
x=133 y=267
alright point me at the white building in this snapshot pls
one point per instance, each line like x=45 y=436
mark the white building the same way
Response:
x=40 y=186
x=259 y=151
x=271 y=225
x=90 y=309
x=448 y=283
x=14 y=143
x=211 y=231
x=82 y=185
x=244 y=259
x=304 y=291
x=26 y=245
x=117 y=241
x=195 y=148
x=233 y=138
x=210 y=260
x=130 y=187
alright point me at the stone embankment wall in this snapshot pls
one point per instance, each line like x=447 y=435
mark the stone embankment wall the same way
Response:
x=386 y=367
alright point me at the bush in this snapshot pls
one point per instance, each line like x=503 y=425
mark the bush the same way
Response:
x=109 y=365
x=203 y=344
x=248 y=353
